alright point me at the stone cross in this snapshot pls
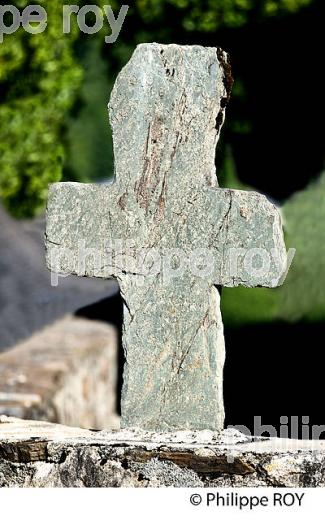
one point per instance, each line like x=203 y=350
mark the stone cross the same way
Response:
x=168 y=234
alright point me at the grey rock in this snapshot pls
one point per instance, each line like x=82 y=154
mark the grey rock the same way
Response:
x=168 y=234
x=35 y=454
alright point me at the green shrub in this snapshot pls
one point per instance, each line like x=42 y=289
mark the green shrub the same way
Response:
x=39 y=79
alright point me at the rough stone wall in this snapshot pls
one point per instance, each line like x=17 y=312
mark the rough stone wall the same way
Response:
x=65 y=374
x=34 y=454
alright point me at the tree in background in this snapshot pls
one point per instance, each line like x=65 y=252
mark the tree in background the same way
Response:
x=39 y=80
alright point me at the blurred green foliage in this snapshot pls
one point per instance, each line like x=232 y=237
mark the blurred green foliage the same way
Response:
x=211 y=15
x=39 y=79
x=303 y=295
x=89 y=154
x=44 y=77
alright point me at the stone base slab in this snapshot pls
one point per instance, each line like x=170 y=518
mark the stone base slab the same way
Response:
x=39 y=454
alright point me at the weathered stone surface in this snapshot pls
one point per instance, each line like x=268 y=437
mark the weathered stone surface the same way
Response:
x=166 y=111
x=34 y=454
x=65 y=374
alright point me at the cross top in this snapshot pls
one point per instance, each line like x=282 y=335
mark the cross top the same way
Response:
x=173 y=100
x=168 y=234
